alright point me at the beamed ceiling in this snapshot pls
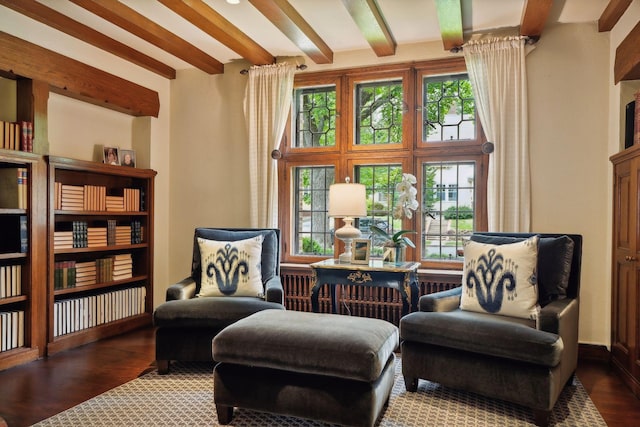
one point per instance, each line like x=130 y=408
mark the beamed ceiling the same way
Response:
x=167 y=35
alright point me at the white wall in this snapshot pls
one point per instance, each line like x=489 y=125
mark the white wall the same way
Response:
x=568 y=90
x=209 y=157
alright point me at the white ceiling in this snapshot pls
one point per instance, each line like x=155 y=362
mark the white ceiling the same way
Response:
x=410 y=21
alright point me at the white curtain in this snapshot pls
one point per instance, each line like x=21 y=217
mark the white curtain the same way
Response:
x=266 y=108
x=497 y=73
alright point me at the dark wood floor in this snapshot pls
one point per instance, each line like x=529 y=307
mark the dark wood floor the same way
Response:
x=40 y=389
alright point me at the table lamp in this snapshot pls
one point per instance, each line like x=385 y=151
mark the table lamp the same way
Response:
x=347 y=201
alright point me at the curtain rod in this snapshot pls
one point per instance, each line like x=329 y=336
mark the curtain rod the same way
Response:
x=298 y=67
x=530 y=40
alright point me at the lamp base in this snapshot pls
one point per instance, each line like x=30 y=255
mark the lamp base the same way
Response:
x=347 y=233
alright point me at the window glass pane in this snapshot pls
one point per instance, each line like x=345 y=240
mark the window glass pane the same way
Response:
x=378 y=111
x=448 y=110
x=315 y=117
x=313 y=227
x=449 y=202
x=380 y=182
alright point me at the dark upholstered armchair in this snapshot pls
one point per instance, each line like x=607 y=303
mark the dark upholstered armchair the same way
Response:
x=186 y=323
x=524 y=361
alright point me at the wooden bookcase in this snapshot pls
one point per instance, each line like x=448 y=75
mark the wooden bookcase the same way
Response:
x=78 y=314
x=21 y=302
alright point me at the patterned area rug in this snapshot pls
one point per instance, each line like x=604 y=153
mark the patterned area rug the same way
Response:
x=185 y=397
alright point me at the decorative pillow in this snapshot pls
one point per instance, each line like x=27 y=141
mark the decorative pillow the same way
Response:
x=231 y=268
x=501 y=279
x=555 y=255
x=554 y=267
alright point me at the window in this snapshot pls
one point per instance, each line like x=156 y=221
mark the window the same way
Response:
x=315 y=116
x=406 y=118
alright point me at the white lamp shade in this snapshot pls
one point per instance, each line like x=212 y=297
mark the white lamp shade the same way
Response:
x=347 y=200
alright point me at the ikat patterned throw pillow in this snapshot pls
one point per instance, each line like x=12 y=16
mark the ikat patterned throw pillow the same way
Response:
x=501 y=279
x=231 y=268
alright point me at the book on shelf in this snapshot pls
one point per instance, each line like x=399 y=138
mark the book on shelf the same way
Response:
x=11 y=329
x=96 y=237
x=64 y=274
x=95 y=197
x=63 y=240
x=72 y=315
x=26 y=136
x=72 y=197
x=115 y=203
x=10 y=280
x=123 y=235
x=13 y=188
x=131 y=199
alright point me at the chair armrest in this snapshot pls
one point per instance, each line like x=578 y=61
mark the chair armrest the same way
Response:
x=274 y=292
x=184 y=289
x=448 y=300
x=560 y=317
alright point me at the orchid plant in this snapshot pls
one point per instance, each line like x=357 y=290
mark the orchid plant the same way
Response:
x=407 y=203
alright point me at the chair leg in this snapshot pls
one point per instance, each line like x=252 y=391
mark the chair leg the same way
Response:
x=225 y=413
x=541 y=418
x=411 y=383
x=163 y=366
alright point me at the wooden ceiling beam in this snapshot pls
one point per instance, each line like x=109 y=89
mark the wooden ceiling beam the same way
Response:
x=612 y=14
x=534 y=16
x=291 y=24
x=128 y=19
x=55 y=19
x=627 y=63
x=370 y=20
x=214 y=24
x=450 y=21
x=74 y=79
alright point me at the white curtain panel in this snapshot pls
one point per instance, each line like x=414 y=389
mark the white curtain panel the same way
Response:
x=266 y=108
x=497 y=73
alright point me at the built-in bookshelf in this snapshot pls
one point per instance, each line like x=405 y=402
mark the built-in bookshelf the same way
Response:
x=101 y=251
x=20 y=277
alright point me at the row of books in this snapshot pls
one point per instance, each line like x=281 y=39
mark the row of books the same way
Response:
x=11 y=329
x=73 y=315
x=71 y=274
x=83 y=236
x=10 y=280
x=17 y=136
x=14 y=191
x=95 y=198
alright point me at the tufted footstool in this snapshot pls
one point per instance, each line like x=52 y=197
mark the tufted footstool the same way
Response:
x=325 y=367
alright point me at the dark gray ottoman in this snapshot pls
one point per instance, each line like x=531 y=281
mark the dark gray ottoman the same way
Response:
x=326 y=367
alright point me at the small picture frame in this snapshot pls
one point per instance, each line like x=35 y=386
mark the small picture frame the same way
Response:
x=128 y=158
x=111 y=155
x=361 y=251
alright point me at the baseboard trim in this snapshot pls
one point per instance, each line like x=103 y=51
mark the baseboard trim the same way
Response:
x=594 y=353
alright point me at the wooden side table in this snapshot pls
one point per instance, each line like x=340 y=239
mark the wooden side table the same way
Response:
x=401 y=276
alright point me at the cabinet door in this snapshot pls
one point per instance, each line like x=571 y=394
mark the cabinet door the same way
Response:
x=625 y=264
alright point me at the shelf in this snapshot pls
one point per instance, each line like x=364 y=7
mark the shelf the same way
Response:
x=86 y=336
x=113 y=248
x=17 y=356
x=12 y=255
x=9 y=211
x=99 y=213
x=67 y=291
x=11 y=300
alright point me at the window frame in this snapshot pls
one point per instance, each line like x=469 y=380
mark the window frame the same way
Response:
x=411 y=153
